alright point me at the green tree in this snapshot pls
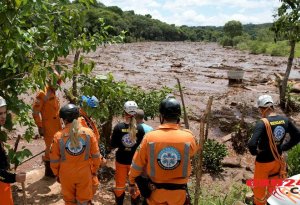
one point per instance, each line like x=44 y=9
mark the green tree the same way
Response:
x=112 y=95
x=33 y=37
x=231 y=29
x=287 y=25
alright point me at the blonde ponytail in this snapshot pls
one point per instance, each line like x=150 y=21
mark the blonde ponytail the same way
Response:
x=132 y=130
x=74 y=134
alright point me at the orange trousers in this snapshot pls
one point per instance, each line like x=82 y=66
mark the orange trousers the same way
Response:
x=48 y=138
x=50 y=128
x=165 y=197
x=95 y=182
x=5 y=194
x=76 y=185
x=121 y=176
x=264 y=171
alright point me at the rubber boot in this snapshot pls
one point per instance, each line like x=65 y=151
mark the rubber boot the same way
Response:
x=135 y=201
x=120 y=199
x=48 y=170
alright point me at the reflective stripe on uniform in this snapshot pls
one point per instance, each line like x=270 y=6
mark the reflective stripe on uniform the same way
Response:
x=186 y=156
x=62 y=149
x=119 y=188
x=136 y=167
x=96 y=155
x=152 y=159
x=54 y=160
x=88 y=147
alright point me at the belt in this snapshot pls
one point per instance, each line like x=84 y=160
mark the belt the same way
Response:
x=273 y=175
x=170 y=186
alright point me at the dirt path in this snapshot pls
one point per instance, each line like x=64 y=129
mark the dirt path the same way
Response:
x=202 y=69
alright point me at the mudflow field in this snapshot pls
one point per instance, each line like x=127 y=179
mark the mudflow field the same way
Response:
x=202 y=70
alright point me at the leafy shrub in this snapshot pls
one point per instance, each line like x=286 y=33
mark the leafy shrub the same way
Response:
x=293 y=160
x=239 y=39
x=257 y=47
x=213 y=154
x=226 y=41
x=279 y=49
x=240 y=137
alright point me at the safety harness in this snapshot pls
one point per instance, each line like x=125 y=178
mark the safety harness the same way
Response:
x=282 y=173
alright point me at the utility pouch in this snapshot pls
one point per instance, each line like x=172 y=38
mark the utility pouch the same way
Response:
x=145 y=186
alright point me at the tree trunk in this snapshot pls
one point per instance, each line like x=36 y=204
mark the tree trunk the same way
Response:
x=199 y=154
x=282 y=89
x=106 y=132
x=75 y=64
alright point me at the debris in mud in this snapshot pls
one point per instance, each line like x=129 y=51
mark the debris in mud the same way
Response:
x=105 y=174
x=232 y=162
x=235 y=76
x=177 y=65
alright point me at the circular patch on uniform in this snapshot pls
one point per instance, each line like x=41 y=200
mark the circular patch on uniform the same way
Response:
x=76 y=150
x=169 y=158
x=279 y=133
x=127 y=142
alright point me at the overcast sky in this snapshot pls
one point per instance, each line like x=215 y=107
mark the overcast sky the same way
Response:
x=201 y=12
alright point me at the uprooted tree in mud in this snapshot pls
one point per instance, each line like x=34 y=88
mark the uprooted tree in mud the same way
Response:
x=287 y=25
x=34 y=35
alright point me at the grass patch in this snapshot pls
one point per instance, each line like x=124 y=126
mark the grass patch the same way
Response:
x=281 y=48
x=214 y=196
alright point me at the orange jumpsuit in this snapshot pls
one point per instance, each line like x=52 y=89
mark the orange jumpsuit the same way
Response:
x=75 y=166
x=165 y=154
x=46 y=115
x=85 y=121
x=88 y=122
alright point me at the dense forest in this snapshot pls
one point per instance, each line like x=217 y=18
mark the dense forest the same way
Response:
x=145 y=28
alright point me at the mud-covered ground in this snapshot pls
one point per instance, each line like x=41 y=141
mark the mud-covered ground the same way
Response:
x=202 y=70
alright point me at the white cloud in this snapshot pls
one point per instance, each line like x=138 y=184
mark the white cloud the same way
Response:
x=196 y=13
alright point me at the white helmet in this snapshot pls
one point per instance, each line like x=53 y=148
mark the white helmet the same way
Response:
x=265 y=101
x=2 y=102
x=130 y=107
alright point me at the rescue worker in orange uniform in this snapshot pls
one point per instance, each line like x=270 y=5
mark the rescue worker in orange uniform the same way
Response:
x=165 y=154
x=75 y=158
x=126 y=137
x=90 y=103
x=266 y=167
x=86 y=121
x=46 y=116
x=6 y=177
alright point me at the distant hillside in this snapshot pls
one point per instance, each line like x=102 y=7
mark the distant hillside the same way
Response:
x=145 y=28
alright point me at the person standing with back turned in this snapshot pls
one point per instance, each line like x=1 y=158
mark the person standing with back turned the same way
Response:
x=46 y=116
x=267 y=144
x=140 y=120
x=75 y=158
x=166 y=154
x=126 y=137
